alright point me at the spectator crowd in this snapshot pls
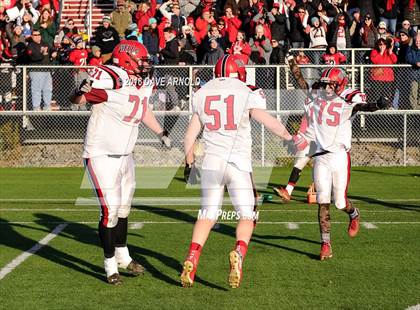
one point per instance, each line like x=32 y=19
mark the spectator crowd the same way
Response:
x=201 y=31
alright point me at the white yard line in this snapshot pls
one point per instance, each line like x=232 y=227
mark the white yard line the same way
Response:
x=166 y=200
x=369 y=225
x=223 y=222
x=292 y=226
x=95 y=209
x=22 y=257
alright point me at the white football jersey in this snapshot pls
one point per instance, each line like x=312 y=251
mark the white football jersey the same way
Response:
x=331 y=119
x=118 y=108
x=223 y=105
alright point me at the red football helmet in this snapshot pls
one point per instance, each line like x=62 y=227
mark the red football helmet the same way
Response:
x=230 y=66
x=335 y=76
x=133 y=57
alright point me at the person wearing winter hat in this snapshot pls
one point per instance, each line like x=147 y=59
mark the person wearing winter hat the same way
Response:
x=151 y=40
x=106 y=38
x=96 y=59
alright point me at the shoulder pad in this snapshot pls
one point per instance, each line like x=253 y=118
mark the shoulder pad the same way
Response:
x=107 y=77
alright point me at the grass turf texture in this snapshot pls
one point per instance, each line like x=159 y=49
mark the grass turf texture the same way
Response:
x=378 y=269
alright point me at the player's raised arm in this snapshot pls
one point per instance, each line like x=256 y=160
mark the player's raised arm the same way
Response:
x=271 y=123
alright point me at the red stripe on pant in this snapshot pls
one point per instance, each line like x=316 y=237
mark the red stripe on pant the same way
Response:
x=99 y=193
x=348 y=178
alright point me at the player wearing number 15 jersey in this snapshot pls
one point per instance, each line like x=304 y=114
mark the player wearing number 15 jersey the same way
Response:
x=119 y=95
x=331 y=112
x=223 y=108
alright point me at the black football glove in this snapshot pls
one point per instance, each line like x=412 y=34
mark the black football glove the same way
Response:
x=383 y=103
x=191 y=174
x=164 y=139
x=84 y=87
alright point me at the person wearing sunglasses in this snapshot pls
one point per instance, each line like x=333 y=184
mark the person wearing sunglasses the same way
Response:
x=368 y=33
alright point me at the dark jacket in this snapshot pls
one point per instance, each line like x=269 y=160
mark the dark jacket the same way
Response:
x=170 y=53
x=212 y=56
x=34 y=55
x=279 y=27
x=297 y=32
x=277 y=56
x=151 y=41
x=106 y=39
x=380 y=6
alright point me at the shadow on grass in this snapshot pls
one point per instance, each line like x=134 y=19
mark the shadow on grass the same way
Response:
x=227 y=229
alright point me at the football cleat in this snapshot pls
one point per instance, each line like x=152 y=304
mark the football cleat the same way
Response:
x=235 y=275
x=282 y=192
x=114 y=279
x=326 y=251
x=135 y=268
x=354 y=226
x=188 y=273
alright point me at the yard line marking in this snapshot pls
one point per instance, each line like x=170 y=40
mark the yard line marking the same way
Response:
x=94 y=209
x=22 y=257
x=192 y=222
x=292 y=226
x=369 y=225
x=136 y=225
x=166 y=200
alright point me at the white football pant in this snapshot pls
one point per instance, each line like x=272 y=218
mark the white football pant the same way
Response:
x=114 y=183
x=332 y=173
x=239 y=185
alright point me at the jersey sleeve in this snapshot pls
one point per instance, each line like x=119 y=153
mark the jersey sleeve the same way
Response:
x=104 y=77
x=354 y=97
x=256 y=99
x=96 y=96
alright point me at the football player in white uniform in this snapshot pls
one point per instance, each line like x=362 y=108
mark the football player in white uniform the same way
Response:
x=331 y=112
x=305 y=136
x=223 y=108
x=119 y=94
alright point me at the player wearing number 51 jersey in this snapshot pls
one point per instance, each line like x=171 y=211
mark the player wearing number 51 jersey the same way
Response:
x=119 y=95
x=223 y=108
x=331 y=112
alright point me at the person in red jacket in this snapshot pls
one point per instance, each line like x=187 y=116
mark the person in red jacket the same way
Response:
x=232 y=24
x=332 y=56
x=383 y=77
x=202 y=24
x=144 y=13
x=96 y=59
x=241 y=47
x=78 y=57
x=164 y=23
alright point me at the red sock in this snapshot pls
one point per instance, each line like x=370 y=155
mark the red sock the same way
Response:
x=242 y=247
x=194 y=252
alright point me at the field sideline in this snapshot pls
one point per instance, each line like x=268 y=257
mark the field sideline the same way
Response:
x=50 y=257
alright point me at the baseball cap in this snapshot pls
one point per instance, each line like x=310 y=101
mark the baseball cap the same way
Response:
x=106 y=19
x=276 y=5
x=382 y=25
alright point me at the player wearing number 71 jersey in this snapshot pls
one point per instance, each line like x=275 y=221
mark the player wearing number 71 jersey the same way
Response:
x=223 y=108
x=331 y=112
x=119 y=95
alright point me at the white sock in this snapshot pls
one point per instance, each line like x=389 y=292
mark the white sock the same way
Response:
x=123 y=256
x=289 y=188
x=111 y=266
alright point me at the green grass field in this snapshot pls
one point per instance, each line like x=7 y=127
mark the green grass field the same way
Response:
x=379 y=269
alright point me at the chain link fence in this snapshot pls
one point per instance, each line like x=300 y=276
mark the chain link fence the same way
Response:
x=45 y=138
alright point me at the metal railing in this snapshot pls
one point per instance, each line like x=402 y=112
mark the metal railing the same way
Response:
x=54 y=138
